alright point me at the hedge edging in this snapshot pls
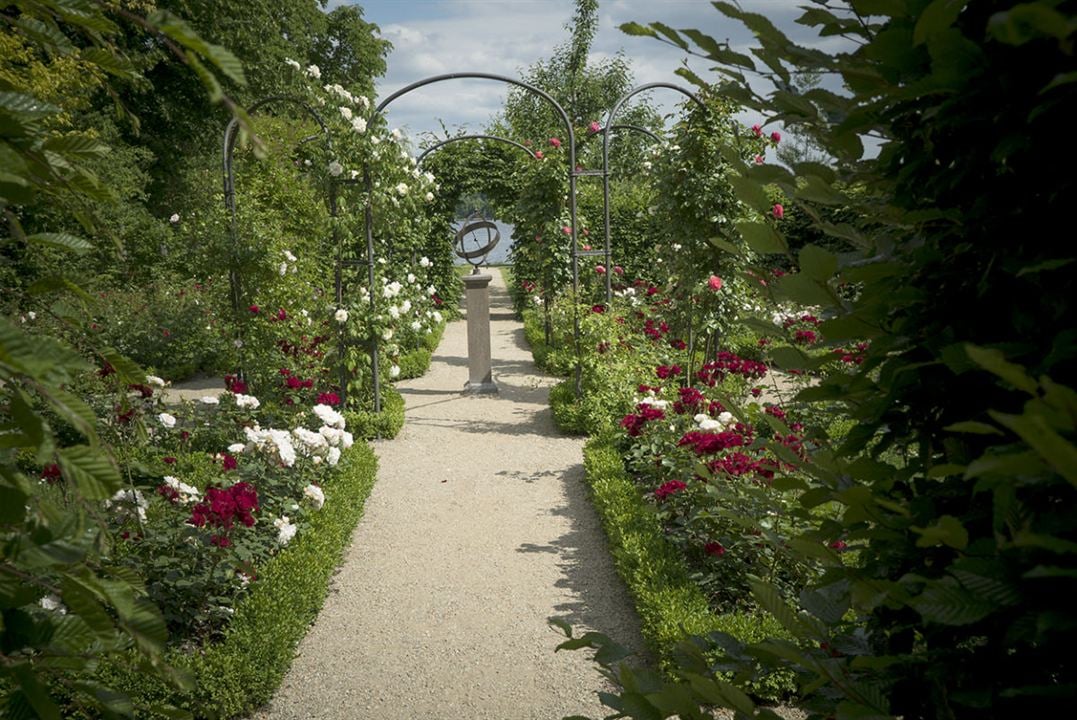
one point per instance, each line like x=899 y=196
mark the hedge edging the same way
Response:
x=243 y=671
x=385 y=424
x=415 y=363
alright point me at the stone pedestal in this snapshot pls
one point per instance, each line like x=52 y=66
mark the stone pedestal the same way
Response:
x=480 y=377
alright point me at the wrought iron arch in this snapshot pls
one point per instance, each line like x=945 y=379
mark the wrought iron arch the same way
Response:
x=369 y=210
x=458 y=138
x=231 y=133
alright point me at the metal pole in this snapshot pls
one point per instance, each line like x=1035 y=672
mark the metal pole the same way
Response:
x=368 y=218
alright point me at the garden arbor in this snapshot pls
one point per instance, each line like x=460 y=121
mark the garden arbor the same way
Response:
x=231 y=134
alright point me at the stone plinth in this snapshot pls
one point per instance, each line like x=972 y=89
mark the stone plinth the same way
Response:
x=480 y=376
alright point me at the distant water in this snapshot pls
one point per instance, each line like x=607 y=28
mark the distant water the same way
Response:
x=500 y=253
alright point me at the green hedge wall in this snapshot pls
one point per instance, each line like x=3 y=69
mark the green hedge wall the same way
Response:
x=415 y=363
x=242 y=671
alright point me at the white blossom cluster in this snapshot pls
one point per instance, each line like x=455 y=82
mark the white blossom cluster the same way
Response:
x=706 y=422
x=288 y=264
x=187 y=493
x=128 y=502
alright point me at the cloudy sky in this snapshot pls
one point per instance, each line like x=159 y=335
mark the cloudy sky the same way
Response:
x=506 y=36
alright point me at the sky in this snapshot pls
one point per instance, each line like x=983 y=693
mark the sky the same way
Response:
x=431 y=37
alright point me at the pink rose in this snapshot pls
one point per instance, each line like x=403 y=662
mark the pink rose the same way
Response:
x=758 y=159
x=594 y=127
x=618 y=270
x=776 y=137
x=757 y=130
x=566 y=229
x=779 y=211
x=600 y=269
x=555 y=142
x=538 y=154
x=714 y=283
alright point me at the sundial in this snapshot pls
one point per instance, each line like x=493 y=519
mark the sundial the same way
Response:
x=472 y=244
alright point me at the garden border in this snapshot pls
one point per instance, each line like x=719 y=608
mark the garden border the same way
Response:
x=241 y=673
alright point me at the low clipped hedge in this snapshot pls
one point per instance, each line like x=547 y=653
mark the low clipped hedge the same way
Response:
x=670 y=605
x=569 y=413
x=241 y=672
x=384 y=424
x=415 y=363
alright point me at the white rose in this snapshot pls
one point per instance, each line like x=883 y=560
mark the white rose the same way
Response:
x=293 y=63
x=341 y=315
x=429 y=177
x=416 y=326
x=167 y=420
x=247 y=401
x=387 y=335
x=333 y=456
x=725 y=418
x=236 y=448
x=174 y=219
x=155 y=381
x=317 y=497
x=209 y=400
x=430 y=197
x=359 y=125
x=709 y=424
x=314 y=71
x=285 y=530
x=396 y=134
x=402 y=189
x=394 y=371
x=346 y=112
x=335 y=168
x=283 y=269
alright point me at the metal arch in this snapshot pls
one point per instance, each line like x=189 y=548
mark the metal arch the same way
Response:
x=458 y=138
x=635 y=128
x=369 y=211
x=228 y=162
x=606 y=161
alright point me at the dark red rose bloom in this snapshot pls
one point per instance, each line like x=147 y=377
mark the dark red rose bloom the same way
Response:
x=106 y=369
x=669 y=488
x=598 y=309
x=714 y=549
x=254 y=309
x=329 y=398
x=50 y=473
x=228 y=463
x=168 y=460
x=143 y=390
x=293 y=382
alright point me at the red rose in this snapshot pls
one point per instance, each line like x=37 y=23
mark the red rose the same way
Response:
x=555 y=142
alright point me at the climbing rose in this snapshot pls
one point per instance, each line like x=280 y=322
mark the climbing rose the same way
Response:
x=254 y=309
x=714 y=283
x=174 y=219
x=566 y=229
x=598 y=309
x=594 y=127
x=779 y=211
x=758 y=159
x=757 y=130
x=600 y=269
x=618 y=270
x=776 y=137
x=341 y=315
x=555 y=142
x=335 y=168
x=538 y=155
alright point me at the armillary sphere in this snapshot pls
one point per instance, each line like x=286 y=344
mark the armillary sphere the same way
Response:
x=469 y=242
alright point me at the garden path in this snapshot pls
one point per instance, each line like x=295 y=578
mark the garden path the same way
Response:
x=478 y=529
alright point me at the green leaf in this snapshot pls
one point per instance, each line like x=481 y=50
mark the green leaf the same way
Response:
x=948 y=530
x=770 y=600
x=818 y=263
x=935 y=18
x=634 y=28
x=1058 y=452
x=995 y=362
x=805 y=290
x=61 y=240
x=1028 y=21
x=93 y=472
x=973 y=427
x=34 y=693
x=815 y=189
x=751 y=193
x=946 y=603
x=762 y=237
x=127 y=370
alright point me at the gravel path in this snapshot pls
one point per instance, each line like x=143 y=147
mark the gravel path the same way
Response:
x=478 y=529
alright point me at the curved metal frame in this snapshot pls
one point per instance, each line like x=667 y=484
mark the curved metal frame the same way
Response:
x=369 y=210
x=606 y=161
x=437 y=146
x=228 y=160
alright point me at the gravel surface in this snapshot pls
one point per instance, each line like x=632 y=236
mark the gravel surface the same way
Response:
x=478 y=529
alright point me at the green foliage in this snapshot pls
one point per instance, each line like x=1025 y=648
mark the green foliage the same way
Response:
x=944 y=589
x=568 y=410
